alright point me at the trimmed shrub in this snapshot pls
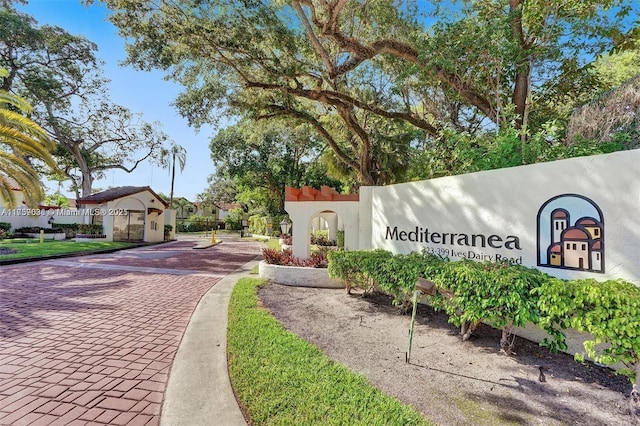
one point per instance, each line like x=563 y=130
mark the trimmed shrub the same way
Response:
x=497 y=293
x=258 y=225
x=70 y=229
x=65 y=226
x=340 y=239
x=356 y=268
x=609 y=311
x=507 y=295
x=37 y=229
x=90 y=229
x=322 y=239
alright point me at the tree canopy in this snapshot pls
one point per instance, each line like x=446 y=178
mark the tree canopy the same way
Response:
x=374 y=77
x=264 y=157
x=60 y=75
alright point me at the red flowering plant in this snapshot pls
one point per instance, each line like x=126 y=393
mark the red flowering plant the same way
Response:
x=277 y=257
x=285 y=258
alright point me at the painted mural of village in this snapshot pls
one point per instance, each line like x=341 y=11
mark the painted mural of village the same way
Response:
x=577 y=245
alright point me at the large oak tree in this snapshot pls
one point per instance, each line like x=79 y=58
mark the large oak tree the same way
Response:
x=266 y=156
x=59 y=74
x=343 y=65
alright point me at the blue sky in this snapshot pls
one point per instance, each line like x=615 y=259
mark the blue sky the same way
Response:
x=142 y=92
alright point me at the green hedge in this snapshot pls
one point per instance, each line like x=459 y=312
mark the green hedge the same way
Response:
x=258 y=224
x=194 y=226
x=36 y=230
x=91 y=228
x=507 y=295
x=609 y=310
x=65 y=226
x=70 y=229
x=4 y=226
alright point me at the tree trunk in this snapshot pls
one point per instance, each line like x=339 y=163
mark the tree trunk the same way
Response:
x=87 y=179
x=522 y=85
x=173 y=177
x=467 y=329
x=506 y=346
x=521 y=93
x=281 y=199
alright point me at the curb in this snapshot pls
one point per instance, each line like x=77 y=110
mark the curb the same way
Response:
x=76 y=254
x=206 y=245
x=199 y=391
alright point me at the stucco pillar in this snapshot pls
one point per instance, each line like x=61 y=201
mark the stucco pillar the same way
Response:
x=365 y=214
x=108 y=223
x=170 y=219
x=332 y=222
x=300 y=236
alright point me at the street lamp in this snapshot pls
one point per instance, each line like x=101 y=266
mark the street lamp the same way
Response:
x=285 y=226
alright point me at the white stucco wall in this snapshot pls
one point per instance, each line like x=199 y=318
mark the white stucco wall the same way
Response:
x=506 y=203
x=170 y=219
x=302 y=213
x=140 y=201
x=24 y=217
x=298 y=276
x=365 y=214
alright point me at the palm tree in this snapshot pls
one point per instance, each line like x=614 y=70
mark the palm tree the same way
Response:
x=180 y=204
x=170 y=156
x=21 y=138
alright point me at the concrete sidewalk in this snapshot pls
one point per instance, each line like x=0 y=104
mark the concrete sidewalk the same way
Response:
x=199 y=391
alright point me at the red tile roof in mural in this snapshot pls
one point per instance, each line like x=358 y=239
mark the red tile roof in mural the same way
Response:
x=575 y=234
x=325 y=193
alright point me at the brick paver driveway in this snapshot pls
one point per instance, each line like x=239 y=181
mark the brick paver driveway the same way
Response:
x=90 y=340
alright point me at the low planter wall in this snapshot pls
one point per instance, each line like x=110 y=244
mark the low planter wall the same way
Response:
x=80 y=238
x=59 y=236
x=298 y=276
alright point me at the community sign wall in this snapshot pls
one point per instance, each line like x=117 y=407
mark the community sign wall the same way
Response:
x=575 y=218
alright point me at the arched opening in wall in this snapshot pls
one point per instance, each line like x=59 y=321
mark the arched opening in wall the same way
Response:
x=325 y=231
x=130 y=225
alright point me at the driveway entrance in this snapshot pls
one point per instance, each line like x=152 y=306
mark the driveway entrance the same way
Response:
x=92 y=339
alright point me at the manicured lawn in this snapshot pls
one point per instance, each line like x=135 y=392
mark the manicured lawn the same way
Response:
x=26 y=248
x=273 y=243
x=281 y=379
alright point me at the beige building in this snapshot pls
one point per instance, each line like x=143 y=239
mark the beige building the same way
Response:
x=127 y=213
